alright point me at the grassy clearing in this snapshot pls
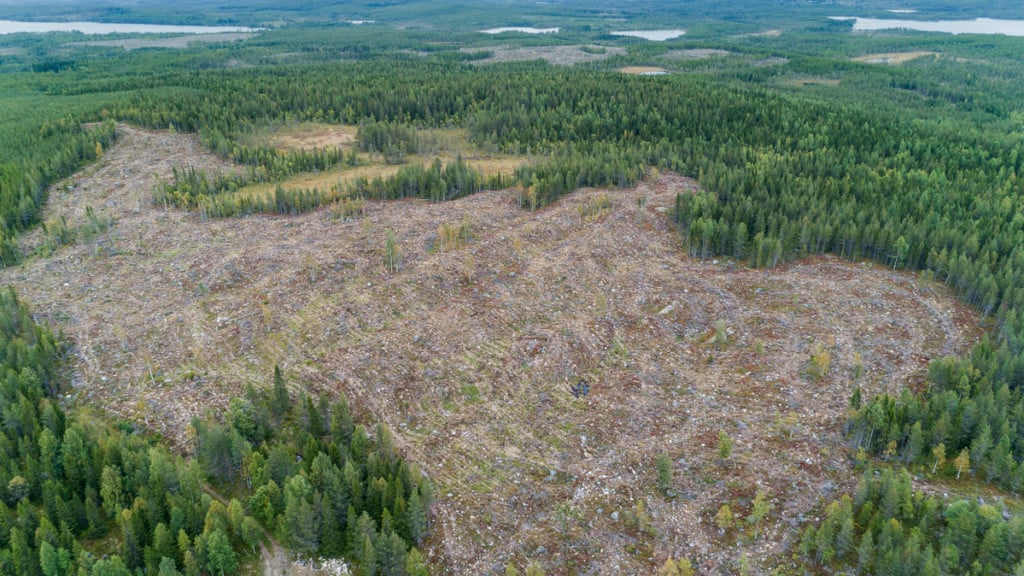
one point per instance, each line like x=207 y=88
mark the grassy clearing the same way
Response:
x=309 y=135
x=444 y=144
x=339 y=178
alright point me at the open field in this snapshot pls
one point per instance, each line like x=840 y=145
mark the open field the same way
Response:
x=468 y=354
x=894 y=57
x=309 y=135
x=643 y=70
x=175 y=42
x=563 y=55
x=698 y=54
x=435 y=144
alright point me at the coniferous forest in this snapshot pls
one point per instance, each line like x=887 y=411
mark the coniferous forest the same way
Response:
x=917 y=168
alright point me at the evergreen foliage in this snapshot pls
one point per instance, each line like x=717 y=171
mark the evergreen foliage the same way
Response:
x=887 y=528
x=65 y=479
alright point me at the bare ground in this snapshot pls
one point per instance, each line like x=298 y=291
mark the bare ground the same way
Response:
x=894 y=57
x=310 y=135
x=698 y=54
x=563 y=55
x=468 y=355
x=175 y=42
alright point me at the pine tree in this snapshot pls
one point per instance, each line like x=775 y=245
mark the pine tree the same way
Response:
x=724 y=445
x=724 y=518
x=664 y=466
x=866 y=553
x=367 y=558
x=759 y=510
x=417 y=515
x=914 y=445
x=392 y=255
x=280 y=403
x=415 y=565
x=393 y=555
x=168 y=568
x=221 y=558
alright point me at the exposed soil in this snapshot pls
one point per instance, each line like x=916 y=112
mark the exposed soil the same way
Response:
x=893 y=57
x=468 y=355
x=698 y=54
x=175 y=42
x=310 y=135
x=563 y=55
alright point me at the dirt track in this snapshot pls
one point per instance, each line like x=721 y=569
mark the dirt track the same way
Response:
x=468 y=355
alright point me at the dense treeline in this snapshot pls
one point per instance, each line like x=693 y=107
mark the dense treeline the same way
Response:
x=79 y=497
x=70 y=482
x=394 y=140
x=455 y=179
x=220 y=196
x=326 y=485
x=977 y=416
x=887 y=528
x=273 y=164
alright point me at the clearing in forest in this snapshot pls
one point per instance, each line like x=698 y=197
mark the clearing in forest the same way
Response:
x=130 y=44
x=559 y=55
x=643 y=70
x=444 y=144
x=309 y=135
x=893 y=57
x=698 y=54
x=474 y=353
x=814 y=82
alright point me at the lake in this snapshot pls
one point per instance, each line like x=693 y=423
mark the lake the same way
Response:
x=11 y=26
x=654 y=35
x=979 y=26
x=523 y=29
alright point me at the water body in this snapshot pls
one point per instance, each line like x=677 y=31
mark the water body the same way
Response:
x=10 y=27
x=523 y=29
x=979 y=26
x=653 y=35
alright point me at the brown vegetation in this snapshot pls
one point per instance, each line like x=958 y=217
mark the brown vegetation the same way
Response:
x=309 y=135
